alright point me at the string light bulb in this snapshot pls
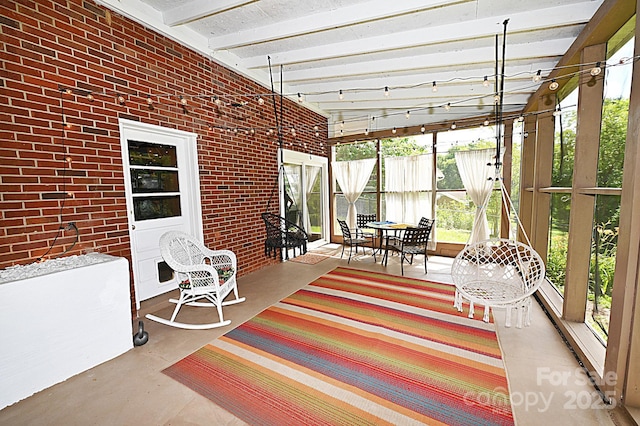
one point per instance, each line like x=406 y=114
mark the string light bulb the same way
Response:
x=386 y=91
x=340 y=95
x=553 y=85
x=68 y=91
x=366 y=131
x=260 y=100
x=447 y=106
x=434 y=87
x=183 y=101
x=453 y=125
x=407 y=115
x=485 y=82
x=422 y=129
x=394 y=130
x=596 y=70
x=486 y=122
x=300 y=98
x=149 y=100
x=537 y=77
x=90 y=97
x=120 y=99
x=557 y=112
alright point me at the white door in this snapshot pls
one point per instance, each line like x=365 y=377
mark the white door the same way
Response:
x=163 y=194
x=306 y=197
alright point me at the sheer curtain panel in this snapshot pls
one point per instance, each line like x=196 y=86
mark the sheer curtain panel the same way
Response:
x=475 y=168
x=352 y=176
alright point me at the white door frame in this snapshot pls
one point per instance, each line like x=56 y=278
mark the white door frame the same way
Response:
x=191 y=186
x=300 y=158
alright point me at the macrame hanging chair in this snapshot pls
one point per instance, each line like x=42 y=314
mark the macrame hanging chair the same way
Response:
x=498 y=272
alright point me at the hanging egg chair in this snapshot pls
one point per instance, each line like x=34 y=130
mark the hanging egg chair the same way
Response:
x=498 y=273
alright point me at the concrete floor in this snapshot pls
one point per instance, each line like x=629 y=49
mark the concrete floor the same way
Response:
x=131 y=390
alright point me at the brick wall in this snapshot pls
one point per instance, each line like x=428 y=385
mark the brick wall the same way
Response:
x=60 y=155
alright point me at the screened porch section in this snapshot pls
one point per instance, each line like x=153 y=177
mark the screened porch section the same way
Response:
x=413 y=177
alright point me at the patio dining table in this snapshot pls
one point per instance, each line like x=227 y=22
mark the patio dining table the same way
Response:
x=385 y=228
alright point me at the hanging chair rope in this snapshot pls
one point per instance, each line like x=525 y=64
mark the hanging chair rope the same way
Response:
x=498 y=273
x=278 y=118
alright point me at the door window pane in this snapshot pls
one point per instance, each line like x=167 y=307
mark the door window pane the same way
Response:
x=293 y=193
x=145 y=208
x=151 y=154
x=314 y=202
x=144 y=180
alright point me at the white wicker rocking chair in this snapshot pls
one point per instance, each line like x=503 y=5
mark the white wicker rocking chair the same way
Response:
x=202 y=274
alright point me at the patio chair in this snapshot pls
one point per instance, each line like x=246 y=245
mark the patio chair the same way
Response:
x=362 y=230
x=425 y=222
x=413 y=242
x=205 y=277
x=353 y=241
x=283 y=235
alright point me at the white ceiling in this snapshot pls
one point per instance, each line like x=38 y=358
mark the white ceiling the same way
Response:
x=363 y=46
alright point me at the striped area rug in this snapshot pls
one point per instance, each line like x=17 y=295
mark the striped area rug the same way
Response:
x=354 y=348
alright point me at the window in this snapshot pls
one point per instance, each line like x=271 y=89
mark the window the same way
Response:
x=455 y=210
x=561 y=179
x=367 y=202
x=606 y=218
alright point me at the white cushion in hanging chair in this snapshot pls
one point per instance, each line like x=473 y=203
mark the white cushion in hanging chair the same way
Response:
x=498 y=273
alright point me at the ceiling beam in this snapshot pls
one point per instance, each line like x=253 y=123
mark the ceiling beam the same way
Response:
x=480 y=28
x=198 y=9
x=331 y=19
x=356 y=70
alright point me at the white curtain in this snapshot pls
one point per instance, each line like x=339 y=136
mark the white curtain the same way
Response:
x=475 y=173
x=352 y=176
x=292 y=173
x=408 y=186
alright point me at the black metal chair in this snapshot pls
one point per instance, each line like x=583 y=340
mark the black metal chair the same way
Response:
x=352 y=241
x=363 y=231
x=424 y=222
x=413 y=242
x=283 y=235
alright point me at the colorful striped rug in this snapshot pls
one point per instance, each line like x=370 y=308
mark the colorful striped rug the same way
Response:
x=354 y=348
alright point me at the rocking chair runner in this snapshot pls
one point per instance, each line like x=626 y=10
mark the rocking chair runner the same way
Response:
x=283 y=235
x=202 y=274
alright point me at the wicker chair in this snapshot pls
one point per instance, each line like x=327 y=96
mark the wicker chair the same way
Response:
x=283 y=235
x=202 y=274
